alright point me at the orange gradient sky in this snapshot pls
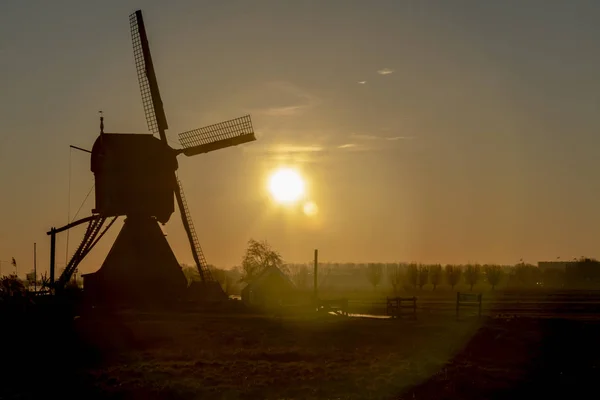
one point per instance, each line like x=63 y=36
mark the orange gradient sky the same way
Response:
x=426 y=131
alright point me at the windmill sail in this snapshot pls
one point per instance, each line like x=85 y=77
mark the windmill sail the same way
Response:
x=153 y=106
x=217 y=136
x=197 y=252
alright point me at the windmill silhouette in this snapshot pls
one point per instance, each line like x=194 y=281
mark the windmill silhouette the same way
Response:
x=135 y=177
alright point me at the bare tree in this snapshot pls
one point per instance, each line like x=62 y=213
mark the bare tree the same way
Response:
x=412 y=272
x=435 y=275
x=374 y=272
x=453 y=274
x=423 y=275
x=493 y=273
x=258 y=257
x=472 y=275
x=395 y=276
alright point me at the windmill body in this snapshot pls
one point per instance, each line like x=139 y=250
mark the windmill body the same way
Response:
x=135 y=177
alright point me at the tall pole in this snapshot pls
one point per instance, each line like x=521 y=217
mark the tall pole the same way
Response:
x=34 y=268
x=315 y=273
x=52 y=254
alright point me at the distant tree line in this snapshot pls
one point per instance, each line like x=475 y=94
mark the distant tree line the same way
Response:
x=582 y=274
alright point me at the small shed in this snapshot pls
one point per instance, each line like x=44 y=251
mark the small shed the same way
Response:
x=270 y=288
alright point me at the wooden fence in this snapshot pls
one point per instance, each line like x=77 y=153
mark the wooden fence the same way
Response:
x=468 y=300
x=395 y=305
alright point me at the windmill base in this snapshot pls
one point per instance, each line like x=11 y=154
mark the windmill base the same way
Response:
x=140 y=270
x=203 y=292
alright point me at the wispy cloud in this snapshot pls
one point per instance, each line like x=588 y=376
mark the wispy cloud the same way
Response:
x=285 y=99
x=284 y=148
x=295 y=149
x=375 y=137
x=398 y=137
x=284 y=111
x=355 y=147
x=362 y=82
x=365 y=142
x=385 y=71
x=286 y=153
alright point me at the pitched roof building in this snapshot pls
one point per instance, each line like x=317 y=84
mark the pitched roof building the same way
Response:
x=271 y=287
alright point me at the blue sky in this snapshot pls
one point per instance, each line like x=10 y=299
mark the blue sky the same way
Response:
x=472 y=138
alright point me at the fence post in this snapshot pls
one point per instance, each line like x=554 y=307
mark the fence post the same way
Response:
x=387 y=306
x=414 y=306
x=457 y=303
x=479 y=298
x=398 y=307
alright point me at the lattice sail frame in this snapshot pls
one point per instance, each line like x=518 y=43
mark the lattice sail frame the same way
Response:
x=151 y=100
x=231 y=129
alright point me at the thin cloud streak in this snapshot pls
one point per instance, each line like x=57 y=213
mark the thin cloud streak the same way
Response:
x=284 y=111
x=301 y=100
x=374 y=137
x=385 y=71
x=283 y=148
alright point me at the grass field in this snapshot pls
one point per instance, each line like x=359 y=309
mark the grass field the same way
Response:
x=244 y=356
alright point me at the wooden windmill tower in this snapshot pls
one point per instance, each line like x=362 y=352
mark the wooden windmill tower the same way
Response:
x=135 y=177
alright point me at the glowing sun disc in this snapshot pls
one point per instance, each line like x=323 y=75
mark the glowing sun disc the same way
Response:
x=286 y=185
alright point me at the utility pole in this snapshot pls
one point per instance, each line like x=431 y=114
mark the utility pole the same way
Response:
x=34 y=268
x=315 y=274
x=52 y=254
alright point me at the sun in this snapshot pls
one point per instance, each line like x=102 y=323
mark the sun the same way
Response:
x=286 y=185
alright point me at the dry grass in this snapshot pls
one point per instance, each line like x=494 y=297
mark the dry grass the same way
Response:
x=209 y=356
x=200 y=356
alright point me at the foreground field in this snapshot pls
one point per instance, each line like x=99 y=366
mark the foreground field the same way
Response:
x=196 y=356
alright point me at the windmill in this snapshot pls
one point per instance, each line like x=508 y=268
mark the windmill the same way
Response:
x=135 y=177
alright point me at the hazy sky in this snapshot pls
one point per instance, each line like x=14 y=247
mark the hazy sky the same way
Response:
x=472 y=137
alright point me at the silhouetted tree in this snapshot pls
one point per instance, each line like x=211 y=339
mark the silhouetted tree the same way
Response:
x=323 y=274
x=527 y=274
x=453 y=274
x=11 y=285
x=493 y=273
x=395 y=276
x=258 y=257
x=374 y=272
x=299 y=275
x=435 y=275
x=44 y=281
x=423 y=275
x=412 y=273
x=472 y=275
x=191 y=273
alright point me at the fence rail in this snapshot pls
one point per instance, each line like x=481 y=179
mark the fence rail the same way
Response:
x=493 y=303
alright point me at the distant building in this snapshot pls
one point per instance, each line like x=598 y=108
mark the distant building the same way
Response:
x=555 y=265
x=270 y=288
